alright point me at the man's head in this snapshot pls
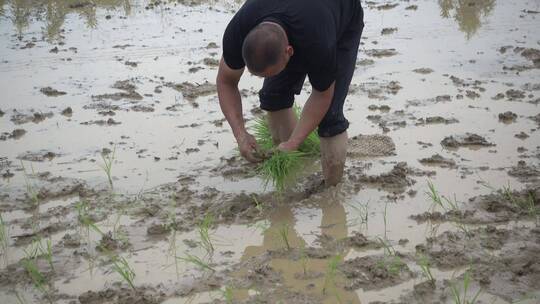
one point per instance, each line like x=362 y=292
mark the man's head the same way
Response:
x=266 y=50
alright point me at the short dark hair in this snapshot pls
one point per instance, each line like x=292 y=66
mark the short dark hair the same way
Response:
x=262 y=47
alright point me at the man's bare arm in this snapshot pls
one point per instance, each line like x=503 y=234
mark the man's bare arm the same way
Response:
x=231 y=106
x=314 y=110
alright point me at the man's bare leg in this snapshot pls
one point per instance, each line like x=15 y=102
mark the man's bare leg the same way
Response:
x=281 y=124
x=333 y=155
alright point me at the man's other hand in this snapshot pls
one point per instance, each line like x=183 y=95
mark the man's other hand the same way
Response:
x=248 y=147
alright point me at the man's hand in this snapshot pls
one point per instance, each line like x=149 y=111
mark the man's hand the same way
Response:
x=248 y=147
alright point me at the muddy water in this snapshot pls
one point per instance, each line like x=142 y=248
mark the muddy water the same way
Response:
x=121 y=65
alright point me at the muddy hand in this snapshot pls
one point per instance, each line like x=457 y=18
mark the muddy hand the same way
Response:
x=248 y=148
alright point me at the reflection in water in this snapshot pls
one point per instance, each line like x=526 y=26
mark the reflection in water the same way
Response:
x=333 y=224
x=467 y=13
x=54 y=12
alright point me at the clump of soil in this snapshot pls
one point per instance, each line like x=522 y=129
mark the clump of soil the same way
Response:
x=108 y=243
x=388 y=30
x=48 y=91
x=192 y=91
x=15 y=134
x=396 y=180
x=67 y=111
x=382 y=108
x=436 y=120
x=20 y=118
x=507 y=117
x=423 y=71
x=370 y=146
x=387 y=6
x=101 y=122
x=525 y=173
x=37 y=156
x=379 y=53
x=124 y=85
x=438 y=160
x=513 y=94
x=468 y=139
x=143 y=295
x=375 y=272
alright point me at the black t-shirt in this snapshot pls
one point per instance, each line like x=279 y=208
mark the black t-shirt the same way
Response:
x=312 y=26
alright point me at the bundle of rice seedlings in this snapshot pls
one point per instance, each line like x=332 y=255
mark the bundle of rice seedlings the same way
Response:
x=280 y=166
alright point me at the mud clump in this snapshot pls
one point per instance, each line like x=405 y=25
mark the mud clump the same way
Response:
x=211 y=62
x=388 y=30
x=101 y=122
x=124 y=85
x=513 y=94
x=436 y=120
x=507 y=117
x=67 y=112
x=37 y=156
x=192 y=91
x=19 y=118
x=15 y=134
x=108 y=243
x=525 y=173
x=469 y=139
x=379 y=53
x=396 y=180
x=423 y=71
x=375 y=272
x=521 y=135
x=387 y=6
x=536 y=118
x=371 y=146
x=121 y=296
x=438 y=160
x=50 y=92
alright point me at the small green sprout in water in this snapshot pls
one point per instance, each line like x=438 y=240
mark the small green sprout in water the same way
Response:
x=391 y=261
x=330 y=277
x=526 y=204
x=84 y=217
x=448 y=205
x=227 y=293
x=38 y=279
x=195 y=260
x=108 y=160
x=460 y=296
x=4 y=239
x=425 y=266
x=122 y=267
x=204 y=233
x=284 y=235
x=30 y=188
x=303 y=258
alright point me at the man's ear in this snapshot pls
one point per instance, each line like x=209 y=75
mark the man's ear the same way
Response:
x=289 y=50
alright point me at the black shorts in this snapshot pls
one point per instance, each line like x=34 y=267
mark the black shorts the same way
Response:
x=278 y=91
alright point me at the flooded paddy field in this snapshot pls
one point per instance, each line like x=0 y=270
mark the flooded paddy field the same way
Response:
x=121 y=183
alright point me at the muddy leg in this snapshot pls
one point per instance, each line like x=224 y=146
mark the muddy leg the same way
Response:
x=281 y=124
x=333 y=154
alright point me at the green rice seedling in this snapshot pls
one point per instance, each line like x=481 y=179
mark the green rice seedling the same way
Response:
x=303 y=258
x=4 y=239
x=280 y=168
x=122 y=267
x=330 y=277
x=227 y=293
x=258 y=205
x=362 y=211
x=84 y=217
x=283 y=232
x=20 y=298
x=31 y=191
x=391 y=261
x=195 y=260
x=461 y=298
x=385 y=213
x=46 y=251
x=204 y=233
x=447 y=205
x=108 y=161
x=38 y=279
x=527 y=204
x=425 y=266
